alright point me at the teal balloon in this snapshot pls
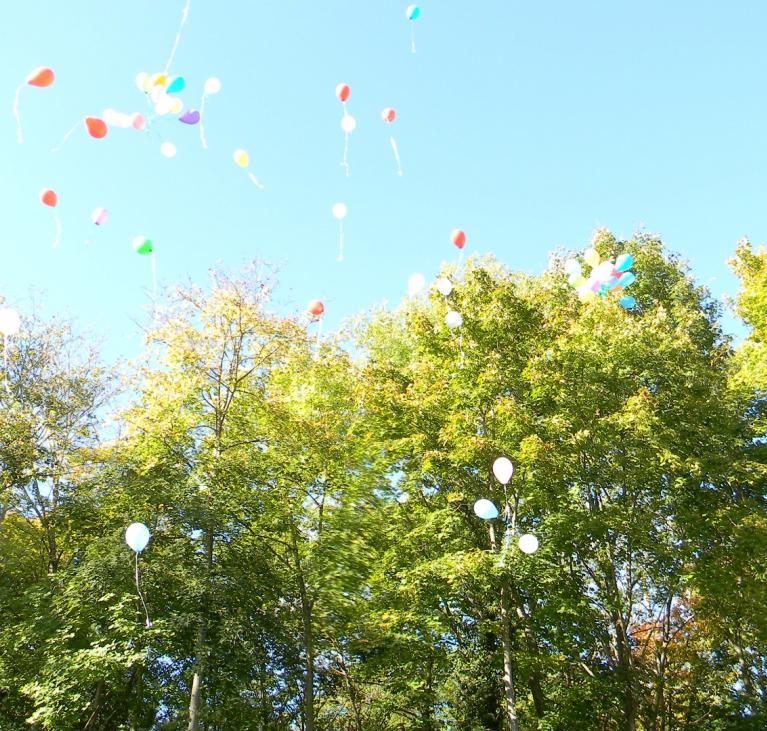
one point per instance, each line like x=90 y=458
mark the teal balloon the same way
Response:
x=628 y=303
x=624 y=262
x=176 y=85
x=627 y=279
x=413 y=12
x=485 y=509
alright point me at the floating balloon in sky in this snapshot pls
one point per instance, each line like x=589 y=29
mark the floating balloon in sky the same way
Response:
x=348 y=123
x=96 y=127
x=168 y=149
x=458 y=238
x=389 y=115
x=624 y=262
x=49 y=198
x=192 y=116
x=142 y=245
x=316 y=308
x=485 y=509
x=444 y=286
x=412 y=13
x=628 y=302
x=176 y=85
x=339 y=213
x=10 y=322
x=415 y=284
x=40 y=77
x=343 y=92
x=212 y=86
x=242 y=159
x=137 y=121
x=503 y=470
x=137 y=537
x=100 y=216
x=591 y=257
x=528 y=543
x=453 y=319
x=142 y=81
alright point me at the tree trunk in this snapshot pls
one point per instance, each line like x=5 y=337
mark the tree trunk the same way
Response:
x=307 y=636
x=201 y=650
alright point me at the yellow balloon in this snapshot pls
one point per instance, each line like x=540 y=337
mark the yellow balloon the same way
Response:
x=241 y=158
x=158 y=80
x=592 y=257
x=176 y=106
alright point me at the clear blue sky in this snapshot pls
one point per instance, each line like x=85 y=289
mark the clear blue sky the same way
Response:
x=526 y=124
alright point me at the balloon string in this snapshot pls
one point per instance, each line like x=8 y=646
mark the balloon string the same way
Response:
x=17 y=114
x=57 y=240
x=319 y=334
x=202 y=122
x=141 y=596
x=184 y=15
x=412 y=38
x=396 y=155
x=154 y=276
x=255 y=181
x=340 y=241
x=5 y=356
x=67 y=136
x=345 y=162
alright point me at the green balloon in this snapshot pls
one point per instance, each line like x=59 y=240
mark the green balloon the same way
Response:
x=142 y=245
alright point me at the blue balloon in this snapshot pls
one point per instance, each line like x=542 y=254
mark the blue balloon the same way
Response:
x=412 y=12
x=627 y=279
x=176 y=85
x=624 y=262
x=485 y=509
x=628 y=303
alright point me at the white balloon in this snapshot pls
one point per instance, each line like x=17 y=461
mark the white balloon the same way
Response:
x=164 y=105
x=168 y=149
x=141 y=80
x=485 y=509
x=415 y=284
x=212 y=85
x=10 y=322
x=339 y=211
x=137 y=536
x=444 y=286
x=453 y=319
x=604 y=271
x=157 y=93
x=573 y=267
x=348 y=124
x=503 y=470
x=592 y=257
x=111 y=117
x=528 y=543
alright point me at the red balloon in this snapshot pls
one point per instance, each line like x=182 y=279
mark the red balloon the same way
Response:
x=96 y=127
x=458 y=237
x=316 y=308
x=48 y=197
x=41 y=77
x=388 y=115
x=343 y=92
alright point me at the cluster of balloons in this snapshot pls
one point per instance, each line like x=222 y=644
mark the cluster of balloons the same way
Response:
x=606 y=276
x=503 y=470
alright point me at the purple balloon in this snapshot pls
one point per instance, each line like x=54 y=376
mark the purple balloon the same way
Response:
x=191 y=116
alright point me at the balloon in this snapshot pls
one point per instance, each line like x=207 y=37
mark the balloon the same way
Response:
x=627 y=279
x=503 y=470
x=10 y=322
x=339 y=211
x=628 y=303
x=415 y=284
x=41 y=77
x=158 y=80
x=412 y=12
x=591 y=257
x=624 y=262
x=176 y=105
x=458 y=238
x=212 y=85
x=168 y=149
x=453 y=319
x=348 y=124
x=142 y=80
x=586 y=294
x=388 y=115
x=142 y=245
x=137 y=536
x=444 y=286
x=316 y=308
x=577 y=280
x=604 y=271
x=164 y=105
x=177 y=84
x=137 y=121
x=573 y=267
x=49 y=197
x=111 y=116
x=343 y=92
x=100 y=216
x=528 y=543
x=191 y=116
x=156 y=93
x=241 y=158
x=96 y=127
x=485 y=509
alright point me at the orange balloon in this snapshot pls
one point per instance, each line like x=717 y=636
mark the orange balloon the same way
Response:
x=458 y=237
x=316 y=308
x=48 y=197
x=96 y=127
x=343 y=92
x=41 y=77
x=388 y=115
